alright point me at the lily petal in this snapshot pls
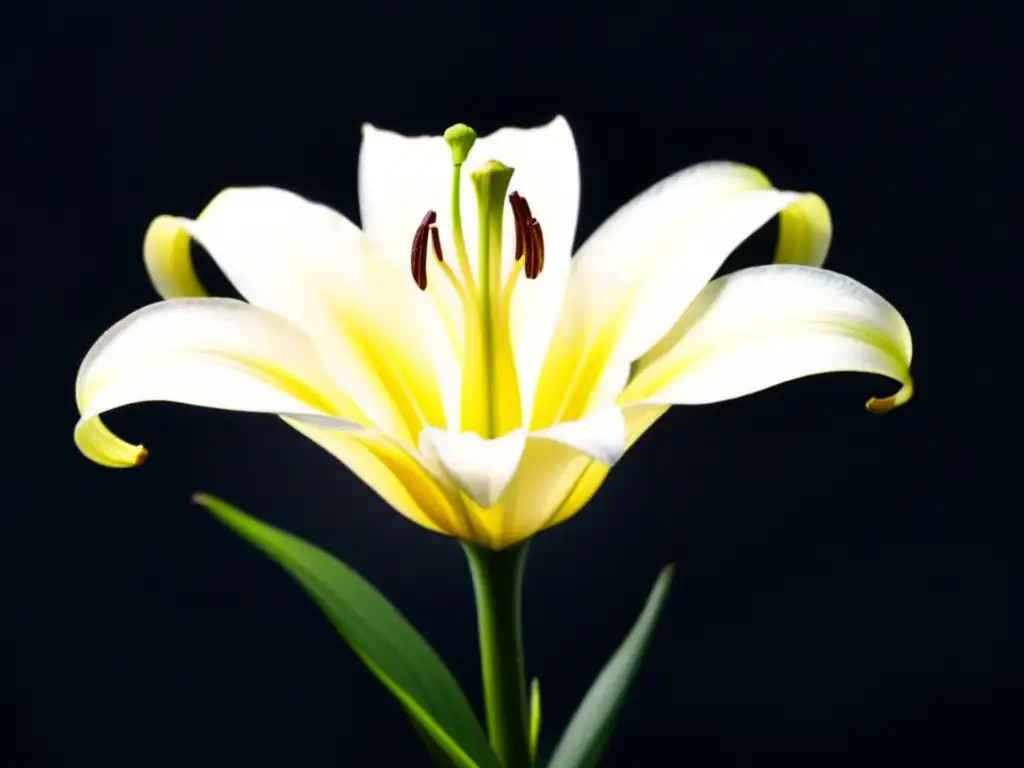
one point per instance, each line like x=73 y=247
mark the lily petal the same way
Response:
x=311 y=265
x=398 y=476
x=765 y=325
x=401 y=177
x=219 y=353
x=548 y=473
x=579 y=483
x=637 y=273
x=483 y=469
x=601 y=435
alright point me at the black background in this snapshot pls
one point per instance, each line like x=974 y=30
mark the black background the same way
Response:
x=847 y=592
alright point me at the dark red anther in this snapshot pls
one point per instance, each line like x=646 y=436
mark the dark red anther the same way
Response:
x=526 y=209
x=535 y=254
x=435 y=238
x=419 y=250
x=529 y=237
x=516 y=201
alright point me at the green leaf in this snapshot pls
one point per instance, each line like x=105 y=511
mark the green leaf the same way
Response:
x=587 y=734
x=438 y=755
x=388 y=644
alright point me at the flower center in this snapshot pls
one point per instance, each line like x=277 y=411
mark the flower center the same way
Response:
x=490 y=391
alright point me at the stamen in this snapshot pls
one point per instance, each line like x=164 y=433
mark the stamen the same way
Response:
x=526 y=209
x=510 y=284
x=516 y=201
x=419 y=259
x=529 y=237
x=419 y=249
x=535 y=254
x=435 y=241
x=435 y=238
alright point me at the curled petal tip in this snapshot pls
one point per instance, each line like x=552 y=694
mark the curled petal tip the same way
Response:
x=885 y=404
x=99 y=444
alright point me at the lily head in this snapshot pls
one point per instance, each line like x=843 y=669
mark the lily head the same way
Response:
x=451 y=353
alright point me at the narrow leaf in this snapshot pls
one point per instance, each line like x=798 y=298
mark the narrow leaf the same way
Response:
x=587 y=734
x=534 y=717
x=381 y=637
x=438 y=755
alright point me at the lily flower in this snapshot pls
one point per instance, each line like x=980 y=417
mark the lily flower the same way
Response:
x=453 y=355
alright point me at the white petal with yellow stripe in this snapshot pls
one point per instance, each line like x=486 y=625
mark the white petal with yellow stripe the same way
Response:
x=223 y=353
x=766 y=325
x=218 y=353
x=636 y=274
x=307 y=263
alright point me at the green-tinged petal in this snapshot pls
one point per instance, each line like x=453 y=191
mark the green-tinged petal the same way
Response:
x=218 y=353
x=380 y=636
x=639 y=271
x=385 y=346
x=765 y=325
x=587 y=734
x=167 y=254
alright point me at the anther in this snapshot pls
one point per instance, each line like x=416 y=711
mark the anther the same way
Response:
x=428 y=218
x=529 y=237
x=526 y=209
x=435 y=238
x=535 y=254
x=516 y=201
x=419 y=250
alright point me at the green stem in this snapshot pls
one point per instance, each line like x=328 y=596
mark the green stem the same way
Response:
x=498 y=583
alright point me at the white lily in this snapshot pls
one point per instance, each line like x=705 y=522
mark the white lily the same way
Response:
x=487 y=394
